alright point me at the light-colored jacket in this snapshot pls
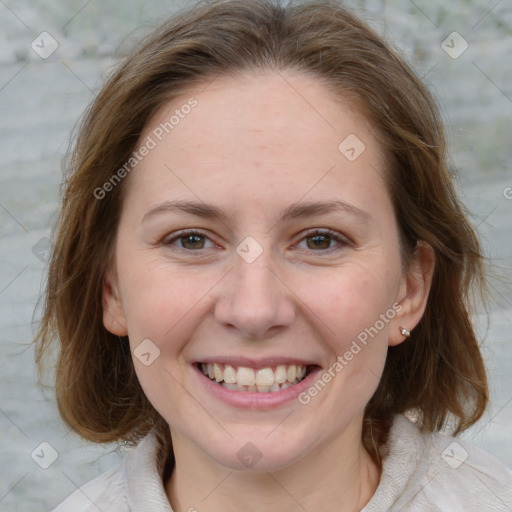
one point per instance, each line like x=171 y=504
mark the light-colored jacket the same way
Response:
x=421 y=473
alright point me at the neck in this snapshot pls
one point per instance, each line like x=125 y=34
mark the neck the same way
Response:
x=339 y=476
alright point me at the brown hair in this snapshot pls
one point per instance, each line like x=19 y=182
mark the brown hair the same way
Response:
x=439 y=372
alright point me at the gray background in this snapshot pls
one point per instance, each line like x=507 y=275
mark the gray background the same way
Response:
x=41 y=99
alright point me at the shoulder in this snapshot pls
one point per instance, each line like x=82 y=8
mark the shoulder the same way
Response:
x=434 y=471
x=106 y=492
x=465 y=477
x=135 y=484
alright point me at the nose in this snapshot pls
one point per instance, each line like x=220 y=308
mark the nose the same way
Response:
x=254 y=301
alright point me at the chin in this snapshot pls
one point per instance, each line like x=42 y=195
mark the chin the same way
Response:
x=258 y=452
x=250 y=458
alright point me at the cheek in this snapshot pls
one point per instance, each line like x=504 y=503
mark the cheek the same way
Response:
x=361 y=310
x=350 y=300
x=353 y=308
x=163 y=305
x=160 y=302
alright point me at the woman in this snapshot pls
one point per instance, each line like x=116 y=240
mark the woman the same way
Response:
x=262 y=273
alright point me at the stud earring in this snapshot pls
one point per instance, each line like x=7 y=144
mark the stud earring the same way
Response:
x=405 y=332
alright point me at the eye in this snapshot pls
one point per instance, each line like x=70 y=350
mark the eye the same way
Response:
x=189 y=240
x=323 y=240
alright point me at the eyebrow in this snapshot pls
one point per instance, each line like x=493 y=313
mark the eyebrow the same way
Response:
x=294 y=211
x=299 y=210
x=203 y=210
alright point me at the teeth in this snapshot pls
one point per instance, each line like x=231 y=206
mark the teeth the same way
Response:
x=217 y=372
x=229 y=375
x=280 y=374
x=245 y=376
x=263 y=380
x=264 y=377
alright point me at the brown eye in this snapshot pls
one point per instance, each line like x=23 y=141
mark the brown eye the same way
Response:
x=189 y=240
x=323 y=241
x=319 y=242
x=192 y=242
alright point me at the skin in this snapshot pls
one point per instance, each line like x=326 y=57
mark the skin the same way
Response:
x=253 y=146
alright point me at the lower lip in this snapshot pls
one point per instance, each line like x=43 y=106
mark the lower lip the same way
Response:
x=256 y=400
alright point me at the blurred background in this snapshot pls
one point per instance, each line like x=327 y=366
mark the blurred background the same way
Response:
x=54 y=56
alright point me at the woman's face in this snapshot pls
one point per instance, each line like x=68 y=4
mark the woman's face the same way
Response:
x=257 y=242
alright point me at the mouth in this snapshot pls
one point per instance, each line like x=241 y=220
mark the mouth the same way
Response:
x=255 y=380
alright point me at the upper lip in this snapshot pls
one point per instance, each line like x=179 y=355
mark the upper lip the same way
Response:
x=250 y=362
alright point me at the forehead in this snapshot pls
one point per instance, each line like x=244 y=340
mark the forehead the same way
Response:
x=269 y=136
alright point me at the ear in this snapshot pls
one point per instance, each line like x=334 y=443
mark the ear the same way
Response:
x=414 y=291
x=114 y=318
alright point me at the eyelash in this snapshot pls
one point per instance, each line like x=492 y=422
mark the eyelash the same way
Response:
x=335 y=237
x=340 y=240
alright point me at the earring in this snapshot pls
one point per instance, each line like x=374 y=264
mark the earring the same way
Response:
x=405 y=332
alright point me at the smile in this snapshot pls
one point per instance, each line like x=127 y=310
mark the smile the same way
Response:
x=259 y=380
